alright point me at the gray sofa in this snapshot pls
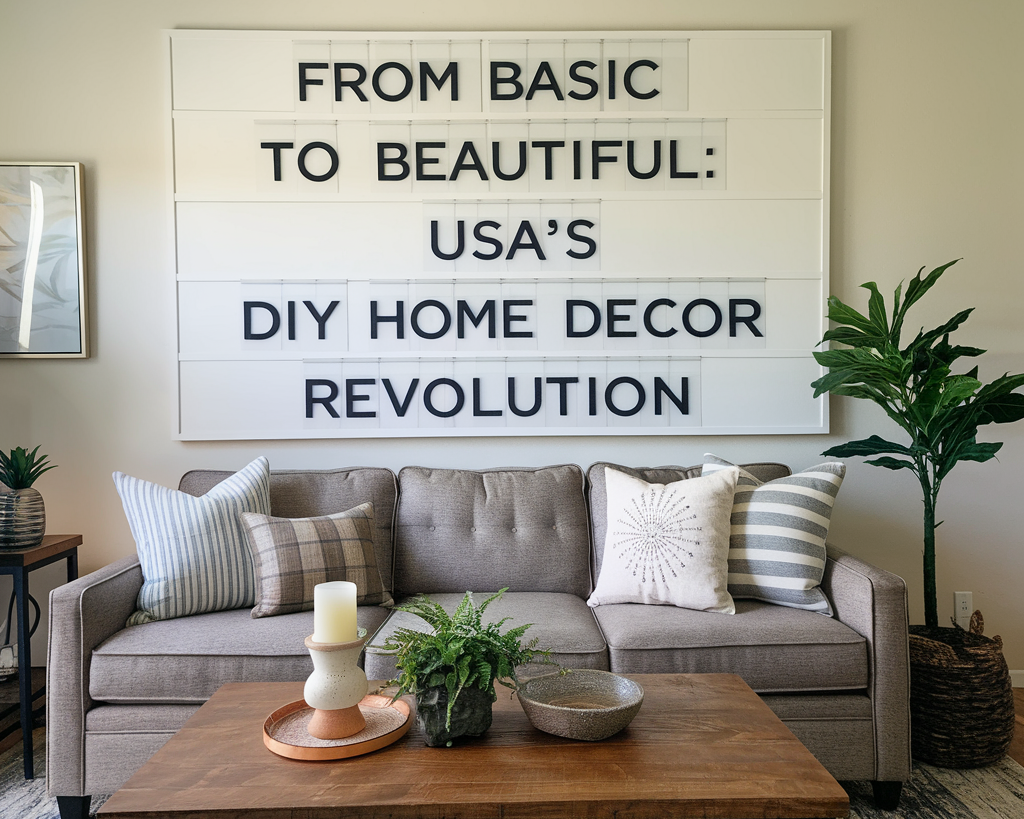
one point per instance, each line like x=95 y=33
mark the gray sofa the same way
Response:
x=841 y=684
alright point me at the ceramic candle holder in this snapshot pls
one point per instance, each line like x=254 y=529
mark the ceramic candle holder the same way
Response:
x=335 y=688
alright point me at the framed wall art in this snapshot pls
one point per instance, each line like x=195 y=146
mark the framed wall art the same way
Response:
x=42 y=261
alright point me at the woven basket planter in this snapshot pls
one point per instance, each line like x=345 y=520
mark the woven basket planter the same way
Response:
x=961 y=697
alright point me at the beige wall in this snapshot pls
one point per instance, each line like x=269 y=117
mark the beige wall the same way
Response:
x=928 y=124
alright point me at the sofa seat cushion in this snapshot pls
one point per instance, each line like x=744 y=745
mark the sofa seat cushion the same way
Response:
x=518 y=528
x=187 y=659
x=561 y=622
x=773 y=648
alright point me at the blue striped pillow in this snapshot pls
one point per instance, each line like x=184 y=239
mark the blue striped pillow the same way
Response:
x=777 y=543
x=193 y=550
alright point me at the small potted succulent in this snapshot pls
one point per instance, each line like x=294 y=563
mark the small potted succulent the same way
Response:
x=452 y=668
x=22 y=513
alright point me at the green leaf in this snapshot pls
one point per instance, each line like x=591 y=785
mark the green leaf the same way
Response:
x=893 y=463
x=876 y=309
x=873 y=445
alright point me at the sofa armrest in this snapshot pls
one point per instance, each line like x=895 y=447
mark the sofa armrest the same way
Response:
x=873 y=602
x=83 y=614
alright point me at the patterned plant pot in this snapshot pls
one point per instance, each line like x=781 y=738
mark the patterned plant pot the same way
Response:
x=22 y=519
x=471 y=715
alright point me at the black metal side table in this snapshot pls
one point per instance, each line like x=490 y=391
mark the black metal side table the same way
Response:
x=19 y=563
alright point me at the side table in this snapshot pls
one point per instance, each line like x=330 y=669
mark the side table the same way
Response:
x=19 y=563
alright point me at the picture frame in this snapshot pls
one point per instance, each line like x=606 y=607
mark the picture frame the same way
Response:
x=43 y=285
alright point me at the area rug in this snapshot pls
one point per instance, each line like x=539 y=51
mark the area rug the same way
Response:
x=995 y=792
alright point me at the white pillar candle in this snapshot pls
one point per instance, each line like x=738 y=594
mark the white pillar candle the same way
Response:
x=334 y=612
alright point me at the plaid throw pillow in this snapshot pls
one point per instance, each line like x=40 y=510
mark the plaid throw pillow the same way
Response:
x=292 y=555
x=777 y=545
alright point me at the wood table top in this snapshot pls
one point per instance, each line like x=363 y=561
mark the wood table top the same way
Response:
x=703 y=745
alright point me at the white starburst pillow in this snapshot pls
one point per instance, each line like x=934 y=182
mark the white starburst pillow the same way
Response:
x=667 y=544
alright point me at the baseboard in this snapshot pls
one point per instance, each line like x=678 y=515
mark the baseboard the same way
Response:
x=1017 y=678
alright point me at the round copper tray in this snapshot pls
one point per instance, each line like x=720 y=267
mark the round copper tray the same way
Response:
x=284 y=731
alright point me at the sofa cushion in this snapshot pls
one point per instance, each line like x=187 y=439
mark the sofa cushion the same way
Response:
x=779 y=527
x=667 y=544
x=561 y=622
x=187 y=659
x=460 y=530
x=306 y=493
x=292 y=555
x=597 y=493
x=192 y=549
x=773 y=648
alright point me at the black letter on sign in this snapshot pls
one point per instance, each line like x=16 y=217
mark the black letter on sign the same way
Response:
x=460 y=397
x=339 y=83
x=570 y=318
x=641 y=396
x=615 y=318
x=574 y=234
x=351 y=396
x=422 y=160
x=460 y=241
x=736 y=319
x=464 y=311
x=277 y=146
x=496 y=162
x=401 y=95
x=490 y=240
x=513 y=80
x=304 y=80
x=682 y=401
x=627 y=80
x=446 y=319
x=312 y=384
x=399 y=160
x=533 y=244
x=510 y=317
x=649 y=326
x=401 y=407
x=715 y=325
x=426 y=72
x=597 y=157
x=631 y=163
x=321 y=319
x=275 y=319
x=574 y=73
x=477 y=411
x=462 y=165
x=544 y=69
x=333 y=154
x=512 y=398
x=398 y=319
x=563 y=382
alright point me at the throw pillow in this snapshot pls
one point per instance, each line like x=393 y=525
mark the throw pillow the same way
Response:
x=667 y=544
x=192 y=550
x=777 y=544
x=292 y=555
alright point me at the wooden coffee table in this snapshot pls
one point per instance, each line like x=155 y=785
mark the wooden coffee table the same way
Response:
x=703 y=745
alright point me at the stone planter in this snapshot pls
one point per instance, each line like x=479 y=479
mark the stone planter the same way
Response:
x=961 y=697
x=22 y=519
x=471 y=715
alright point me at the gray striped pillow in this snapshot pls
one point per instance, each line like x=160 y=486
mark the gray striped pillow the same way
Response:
x=777 y=544
x=292 y=555
x=193 y=551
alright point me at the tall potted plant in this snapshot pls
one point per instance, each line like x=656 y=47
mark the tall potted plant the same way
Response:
x=940 y=411
x=452 y=668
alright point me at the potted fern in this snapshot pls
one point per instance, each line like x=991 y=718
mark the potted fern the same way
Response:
x=22 y=512
x=452 y=668
x=955 y=723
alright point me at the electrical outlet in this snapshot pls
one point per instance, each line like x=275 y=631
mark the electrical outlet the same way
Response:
x=963 y=608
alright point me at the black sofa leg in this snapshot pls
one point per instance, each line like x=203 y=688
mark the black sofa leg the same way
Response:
x=887 y=795
x=74 y=807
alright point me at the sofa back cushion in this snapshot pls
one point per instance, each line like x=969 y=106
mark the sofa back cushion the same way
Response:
x=598 y=491
x=307 y=493
x=461 y=530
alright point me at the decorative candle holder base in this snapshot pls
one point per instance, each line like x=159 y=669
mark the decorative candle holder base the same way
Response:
x=336 y=724
x=335 y=688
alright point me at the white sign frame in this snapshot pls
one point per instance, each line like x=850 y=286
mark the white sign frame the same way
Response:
x=751 y=212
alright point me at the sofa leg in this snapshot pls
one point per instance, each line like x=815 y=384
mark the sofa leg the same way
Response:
x=887 y=795
x=74 y=807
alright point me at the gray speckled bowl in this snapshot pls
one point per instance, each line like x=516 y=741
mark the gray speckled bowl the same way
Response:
x=583 y=704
